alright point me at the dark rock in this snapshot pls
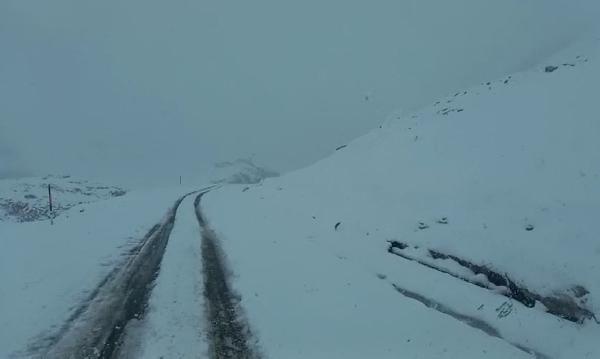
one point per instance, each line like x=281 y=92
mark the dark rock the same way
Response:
x=443 y=220
x=118 y=193
x=396 y=244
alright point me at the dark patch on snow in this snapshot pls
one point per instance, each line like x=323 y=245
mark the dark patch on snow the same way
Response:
x=337 y=226
x=396 y=244
x=23 y=211
x=341 y=147
x=501 y=280
x=446 y=111
x=118 y=193
x=567 y=306
x=549 y=69
x=579 y=291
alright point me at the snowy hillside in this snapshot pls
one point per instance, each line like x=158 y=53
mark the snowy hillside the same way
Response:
x=468 y=229
x=26 y=199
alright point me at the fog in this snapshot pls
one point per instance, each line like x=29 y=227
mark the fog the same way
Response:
x=143 y=91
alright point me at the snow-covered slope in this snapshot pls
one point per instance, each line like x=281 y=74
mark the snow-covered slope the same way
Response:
x=465 y=230
x=26 y=199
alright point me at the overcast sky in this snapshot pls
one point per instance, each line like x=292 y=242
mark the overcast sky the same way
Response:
x=141 y=91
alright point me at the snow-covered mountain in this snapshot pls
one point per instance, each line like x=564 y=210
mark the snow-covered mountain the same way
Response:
x=468 y=229
x=241 y=171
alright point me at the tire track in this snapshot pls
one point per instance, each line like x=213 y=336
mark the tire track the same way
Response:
x=471 y=321
x=229 y=334
x=568 y=305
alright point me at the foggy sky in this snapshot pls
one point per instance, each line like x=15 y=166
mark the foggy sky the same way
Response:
x=142 y=91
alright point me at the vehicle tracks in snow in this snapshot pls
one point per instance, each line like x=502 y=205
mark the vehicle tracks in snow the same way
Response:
x=230 y=336
x=471 y=321
x=96 y=329
x=568 y=305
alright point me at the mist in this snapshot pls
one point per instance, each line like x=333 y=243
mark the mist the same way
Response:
x=145 y=91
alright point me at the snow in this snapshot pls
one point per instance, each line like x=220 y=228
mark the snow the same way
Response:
x=47 y=271
x=495 y=159
x=26 y=199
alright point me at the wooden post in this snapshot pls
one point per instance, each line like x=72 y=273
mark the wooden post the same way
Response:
x=50 y=197
x=180 y=180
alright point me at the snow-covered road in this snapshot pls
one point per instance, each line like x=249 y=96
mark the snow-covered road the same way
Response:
x=96 y=329
x=174 y=325
x=171 y=299
x=192 y=311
